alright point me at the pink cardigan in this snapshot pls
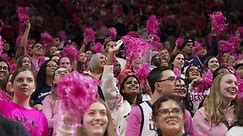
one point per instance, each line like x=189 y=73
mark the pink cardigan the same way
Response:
x=205 y=128
x=53 y=111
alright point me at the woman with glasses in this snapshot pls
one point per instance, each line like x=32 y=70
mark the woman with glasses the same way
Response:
x=217 y=114
x=168 y=116
x=44 y=82
x=181 y=91
x=52 y=104
x=193 y=78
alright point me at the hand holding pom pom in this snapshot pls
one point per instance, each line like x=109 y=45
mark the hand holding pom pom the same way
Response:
x=23 y=14
x=218 y=22
x=77 y=92
x=71 y=52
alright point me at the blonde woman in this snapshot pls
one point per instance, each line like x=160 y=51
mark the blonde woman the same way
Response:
x=96 y=121
x=217 y=114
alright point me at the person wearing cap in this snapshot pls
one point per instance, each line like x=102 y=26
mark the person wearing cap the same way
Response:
x=187 y=48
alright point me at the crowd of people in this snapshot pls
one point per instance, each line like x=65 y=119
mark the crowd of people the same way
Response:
x=150 y=84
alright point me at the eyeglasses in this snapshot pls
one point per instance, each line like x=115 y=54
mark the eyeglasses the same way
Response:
x=4 y=67
x=51 y=66
x=171 y=78
x=166 y=112
x=195 y=69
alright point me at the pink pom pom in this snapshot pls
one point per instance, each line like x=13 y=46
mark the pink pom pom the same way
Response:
x=46 y=39
x=13 y=68
x=71 y=52
x=197 y=47
x=89 y=35
x=177 y=72
x=77 y=92
x=240 y=84
x=152 y=25
x=180 y=41
x=132 y=33
x=225 y=46
x=206 y=83
x=218 y=22
x=1 y=44
x=98 y=48
x=230 y=45
x=134 y=47
x=63 y=35
x=142 y=73
x=234 y=41
x=112 y=33
x=41 y=60
x=5 y=57
x=23 y=14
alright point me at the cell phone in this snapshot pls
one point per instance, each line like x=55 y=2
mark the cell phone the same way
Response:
x=119 y=42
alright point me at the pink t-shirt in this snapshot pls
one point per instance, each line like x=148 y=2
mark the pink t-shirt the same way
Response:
x=206 y=128
x=34 y=121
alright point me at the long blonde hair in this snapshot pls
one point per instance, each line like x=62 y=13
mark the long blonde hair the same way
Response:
x=215 y=103
x=110 y=129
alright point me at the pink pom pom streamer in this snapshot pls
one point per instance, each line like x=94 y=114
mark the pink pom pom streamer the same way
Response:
x=89 y=34
x=63 y=35
x=180 y=41
x=13 y=68
x=71 y=52
x=234 y=41
x=98 y=48
x=177 y=72
x=134 y=47
x=112 y=33
x=46 y=38
x=225 y=46
x=152 y=25
x=41 y=60
x=240 y=85
x=218 y=22
x=206 y=83
x=77 y=92
x=1 y=44
x=5 y=56
x=142 y=73
x=23 y=14
x=197 y=47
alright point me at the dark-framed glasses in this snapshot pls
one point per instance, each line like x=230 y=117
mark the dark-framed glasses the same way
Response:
x=171 y=78
x=167 y=112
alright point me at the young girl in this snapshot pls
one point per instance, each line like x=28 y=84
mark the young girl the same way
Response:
x=52 y=104
x=23 y=84
x=217 y=114
x=96 y=121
